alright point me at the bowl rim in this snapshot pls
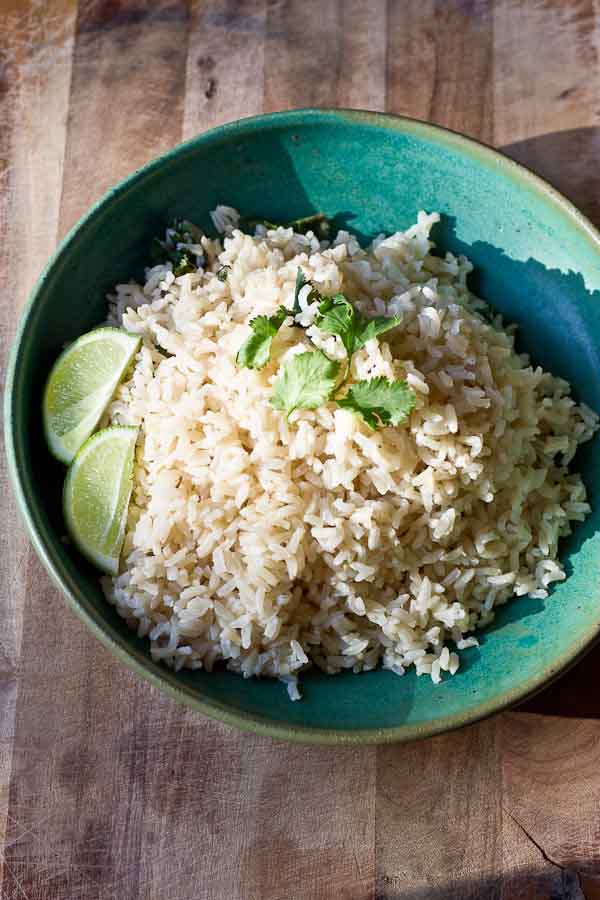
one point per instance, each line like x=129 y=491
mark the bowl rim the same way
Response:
x=103 y=630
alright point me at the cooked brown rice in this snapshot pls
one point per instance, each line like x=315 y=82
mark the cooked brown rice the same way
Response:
x=273 y=544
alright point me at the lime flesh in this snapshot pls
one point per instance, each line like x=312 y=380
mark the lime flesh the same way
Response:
x=80 y=386
x=96 y=495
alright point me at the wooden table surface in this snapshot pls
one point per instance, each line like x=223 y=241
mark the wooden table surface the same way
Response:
x=107 y=788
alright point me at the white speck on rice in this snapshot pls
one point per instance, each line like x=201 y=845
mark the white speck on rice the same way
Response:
x=273 y=544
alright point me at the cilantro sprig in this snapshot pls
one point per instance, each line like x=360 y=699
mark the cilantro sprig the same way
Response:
x=308 y=380
x=338 y=316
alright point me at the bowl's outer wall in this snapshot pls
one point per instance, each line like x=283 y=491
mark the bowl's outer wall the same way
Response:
x=535 y=262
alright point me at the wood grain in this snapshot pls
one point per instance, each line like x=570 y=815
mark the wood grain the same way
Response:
x=438 y=815
x=551 y=763
x=224 y=79
x=535 y=99
x=527 y=874
x=119 y=116
x=302 y=54
x=547 y=116
x=363 y=52
x=439 y=63
x=122 y=110
x=330 y=54
x=108 y=789
x=35 y=63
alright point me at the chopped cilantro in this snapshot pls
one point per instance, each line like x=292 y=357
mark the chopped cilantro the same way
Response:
x=256 y=350
x=184 y=264
x=181 y=231
x=250 y=224
x=223 y=273
x=318 y=223
x=379 y=401
x=180 y=235
x=307 y=381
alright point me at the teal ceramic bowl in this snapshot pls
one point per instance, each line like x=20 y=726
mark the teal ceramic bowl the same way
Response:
x=537 y=261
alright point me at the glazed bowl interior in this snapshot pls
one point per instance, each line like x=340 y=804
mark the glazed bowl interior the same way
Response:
x=537 y=262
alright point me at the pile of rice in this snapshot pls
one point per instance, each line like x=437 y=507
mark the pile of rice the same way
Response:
x=275 y=544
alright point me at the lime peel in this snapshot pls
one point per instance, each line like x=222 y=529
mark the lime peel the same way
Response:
x=81 y=384
x=96 y=495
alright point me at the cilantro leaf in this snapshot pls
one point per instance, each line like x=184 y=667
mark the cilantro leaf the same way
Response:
x=370 y=328
x=300 y=282
x=307 y=381
x=379 y=401
x=338 y=316
x=313 y=295
x=256 y=350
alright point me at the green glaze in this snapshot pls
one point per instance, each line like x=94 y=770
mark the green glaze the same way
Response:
x=537 y=261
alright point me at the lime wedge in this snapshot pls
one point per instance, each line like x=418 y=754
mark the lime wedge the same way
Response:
x=80 y=386
x=96 y=495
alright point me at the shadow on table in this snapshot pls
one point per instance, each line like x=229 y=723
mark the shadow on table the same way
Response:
x=551 y=882
x=575 y=694
x=569 y=161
